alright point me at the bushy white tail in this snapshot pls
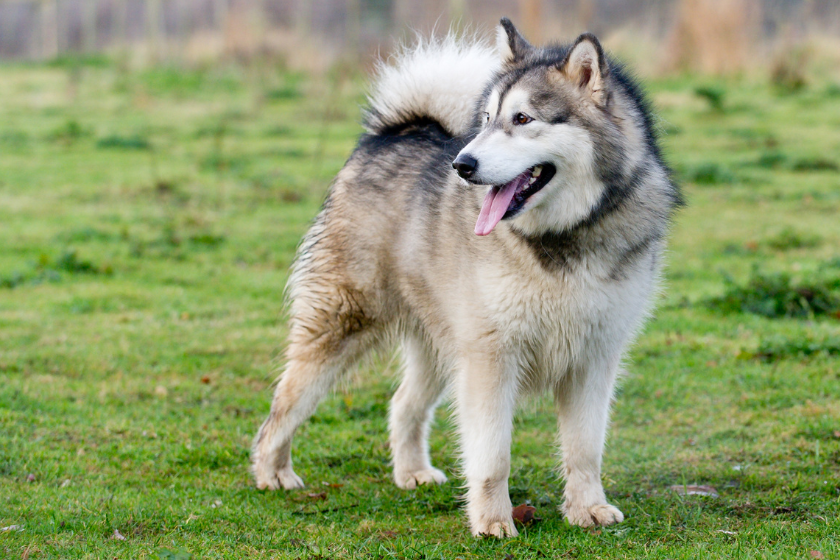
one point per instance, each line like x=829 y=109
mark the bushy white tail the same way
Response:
x=438 y=79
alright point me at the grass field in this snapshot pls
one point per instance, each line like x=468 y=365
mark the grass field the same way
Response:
x=147 y=222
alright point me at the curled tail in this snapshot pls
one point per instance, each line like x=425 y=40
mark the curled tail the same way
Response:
x=436 y=79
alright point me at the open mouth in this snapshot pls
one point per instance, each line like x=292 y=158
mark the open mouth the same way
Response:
x=506 y=201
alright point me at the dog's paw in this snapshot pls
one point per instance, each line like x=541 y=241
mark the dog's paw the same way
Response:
x=498 y=529
x=411 y=480
x=599 y=514
x=271 y=479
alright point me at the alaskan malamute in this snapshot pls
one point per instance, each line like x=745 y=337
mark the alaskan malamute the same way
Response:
x=529 y=266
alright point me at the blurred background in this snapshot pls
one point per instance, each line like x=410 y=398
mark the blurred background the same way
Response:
x=710 y=36
x=160 y=161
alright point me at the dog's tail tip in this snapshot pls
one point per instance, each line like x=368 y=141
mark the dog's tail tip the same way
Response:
x=435 y=79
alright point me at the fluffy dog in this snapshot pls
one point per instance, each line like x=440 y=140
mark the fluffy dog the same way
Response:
x=529 y=266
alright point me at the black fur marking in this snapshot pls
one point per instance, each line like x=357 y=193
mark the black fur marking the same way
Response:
x=562 y=250
x=631 y=255
x=555 y=251
x=412 y=125
x=399 y=122
x=420 y=152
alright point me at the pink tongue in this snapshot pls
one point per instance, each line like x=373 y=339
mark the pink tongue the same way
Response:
x=496 y=204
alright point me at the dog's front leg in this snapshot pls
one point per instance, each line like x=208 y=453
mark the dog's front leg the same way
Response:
x=485 y=396
x=584 y=403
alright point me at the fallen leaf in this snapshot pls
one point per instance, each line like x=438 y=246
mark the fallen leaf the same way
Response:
x=117 y=536
x=694 y=490
x=317 y=496
x=205 y=379
x=816 y=554
x=333 y=484
x=524 y=514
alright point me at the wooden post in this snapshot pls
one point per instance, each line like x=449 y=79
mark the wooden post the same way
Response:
x=303 y=18
x=89 y=26
x=181 y=30
x=122 y=17
x=586 y=13
x=49 y=29
x=531 y=14
x=353 y=27
x=152 y=27
x=220 y=22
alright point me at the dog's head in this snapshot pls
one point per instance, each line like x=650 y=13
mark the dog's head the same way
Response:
x=551 y=134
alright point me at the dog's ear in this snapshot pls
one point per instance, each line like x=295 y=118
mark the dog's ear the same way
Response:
x=586 y=66
x=511 y=44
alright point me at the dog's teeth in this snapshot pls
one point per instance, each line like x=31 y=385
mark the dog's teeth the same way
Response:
x=537 y=171
x=532 y=180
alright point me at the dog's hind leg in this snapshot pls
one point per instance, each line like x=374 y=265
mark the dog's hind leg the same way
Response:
x=328 y=335
x=584 y=403
x=412 y=410
x=302 y=385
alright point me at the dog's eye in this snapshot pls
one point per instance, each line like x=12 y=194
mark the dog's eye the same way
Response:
x=521 y=118
x=486 y=118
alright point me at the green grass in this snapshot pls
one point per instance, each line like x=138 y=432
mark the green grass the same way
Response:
x=148 y=220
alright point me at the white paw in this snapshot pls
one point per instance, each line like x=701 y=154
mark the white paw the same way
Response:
x=271 y=479
x=498 y=529
x=599 y=514
x=411 y=480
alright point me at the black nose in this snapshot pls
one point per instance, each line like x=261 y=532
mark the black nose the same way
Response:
x=465 y=165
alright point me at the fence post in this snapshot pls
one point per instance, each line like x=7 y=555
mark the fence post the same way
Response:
x=49 y=29
x=353 y=27
x=151 y=30
x=303 y=19
x=531 y=14
x=89 y=26
x=220 y=14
